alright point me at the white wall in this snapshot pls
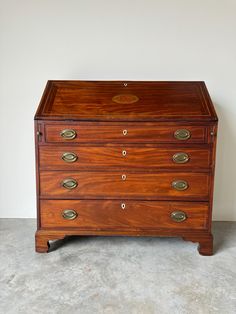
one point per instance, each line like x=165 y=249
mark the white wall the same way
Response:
x=110 y=39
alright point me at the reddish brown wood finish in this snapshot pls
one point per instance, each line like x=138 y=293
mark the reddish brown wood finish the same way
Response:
x=104 y=215
x=158 y=101
x=138 y=185
x=113 y=133
x=149 y=142
x=93 y=157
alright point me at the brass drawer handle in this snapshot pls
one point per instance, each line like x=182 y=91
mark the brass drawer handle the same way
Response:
x=178 y=216
x=69 y=214
x=125 y=132
x=182 y=134
x=180 y=185
x=69 y=157
x=124 y=153
x=122 y=205
x=69 y=184
x=68 y=134
x=180 y=158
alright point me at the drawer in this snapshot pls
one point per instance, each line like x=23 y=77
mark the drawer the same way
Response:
x=130 y=185
x=76 y=157
x=100 y=214
x=124 y=133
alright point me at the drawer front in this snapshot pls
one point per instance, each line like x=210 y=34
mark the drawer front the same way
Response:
x=77 y=157
x=99 y=214
x=102 y=185
x=124 y=133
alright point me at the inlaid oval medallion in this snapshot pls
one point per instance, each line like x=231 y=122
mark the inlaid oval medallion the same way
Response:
x=125 y=99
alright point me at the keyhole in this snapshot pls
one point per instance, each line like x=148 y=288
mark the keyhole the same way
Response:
x=124 y=152
x=125 y=132
x=123 y=177
x=123 y=205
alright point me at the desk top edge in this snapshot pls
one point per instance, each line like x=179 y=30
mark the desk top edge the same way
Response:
x=195 y=90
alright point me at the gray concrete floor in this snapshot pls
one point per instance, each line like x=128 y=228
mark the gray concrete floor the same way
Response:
x=115 y=275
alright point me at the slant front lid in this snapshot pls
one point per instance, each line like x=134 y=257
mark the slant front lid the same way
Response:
x=125 y=101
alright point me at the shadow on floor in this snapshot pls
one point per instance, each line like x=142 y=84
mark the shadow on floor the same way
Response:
x=219 y=230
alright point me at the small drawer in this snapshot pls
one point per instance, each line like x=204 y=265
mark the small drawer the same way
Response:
x=126 y=184
x=85 y=132
x=64 y=157
x=100 y=214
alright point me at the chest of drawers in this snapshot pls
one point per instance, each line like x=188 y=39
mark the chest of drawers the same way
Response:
x=125 y=158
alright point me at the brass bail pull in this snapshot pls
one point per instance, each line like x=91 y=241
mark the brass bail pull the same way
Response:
x=69 y=157
x=69 y=214
x=69 y=184
x=182 y=134
x=68 y=134
x=178 y=216
x=180 y=185
x=180 y=158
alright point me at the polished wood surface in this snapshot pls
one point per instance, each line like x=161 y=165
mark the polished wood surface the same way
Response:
x=124 y=142
x=93 y=100
x=110 y=185
x=94 y=214
x=113 y=133
x=100 y=157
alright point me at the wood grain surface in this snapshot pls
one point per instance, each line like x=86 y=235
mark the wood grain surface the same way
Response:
x=124 y=155
x=94 y=214
x=110 y=185
x=93 y=100
x=50 y=158
x=113 y=133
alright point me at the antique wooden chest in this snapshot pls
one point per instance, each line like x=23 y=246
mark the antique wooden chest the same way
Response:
x=125 y=158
